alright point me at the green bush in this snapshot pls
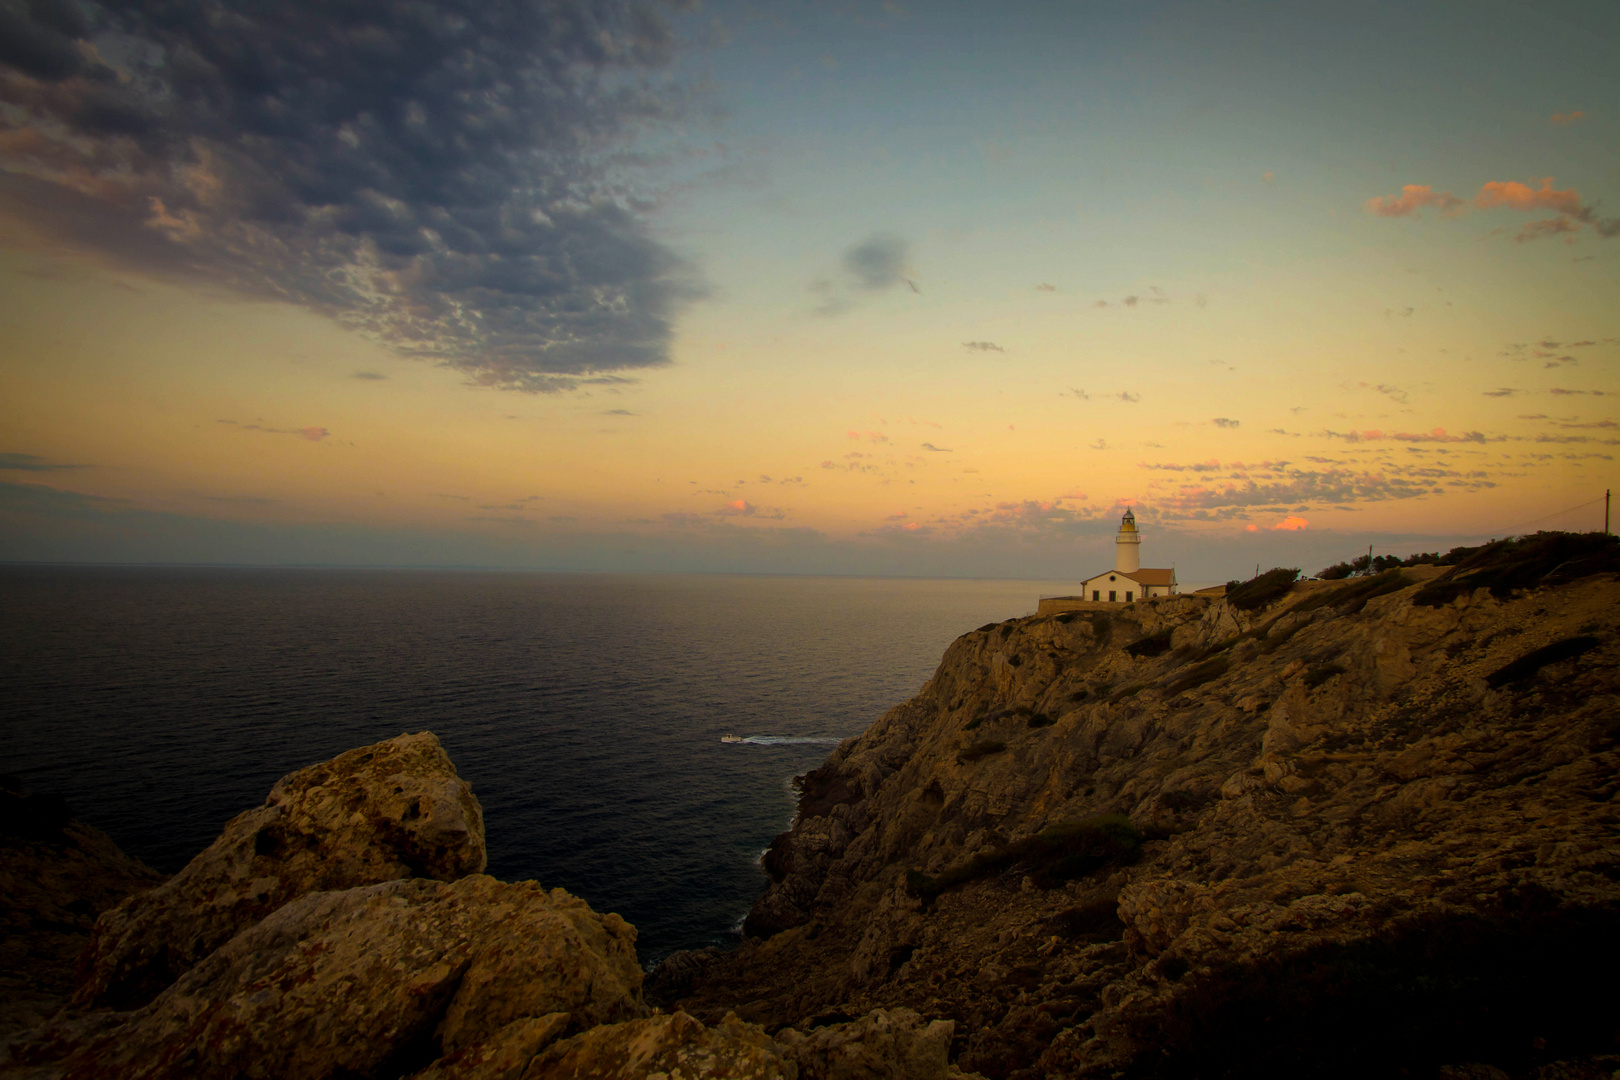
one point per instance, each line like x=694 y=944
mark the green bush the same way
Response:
x=1261 y=590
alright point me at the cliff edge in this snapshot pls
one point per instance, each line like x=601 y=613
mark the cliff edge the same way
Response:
x=1359 y=828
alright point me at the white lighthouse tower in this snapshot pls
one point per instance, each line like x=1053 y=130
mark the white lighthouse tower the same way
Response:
x=1128 y=545
x=1127 y=582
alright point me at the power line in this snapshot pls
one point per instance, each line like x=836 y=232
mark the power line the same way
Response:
x=1559 y=514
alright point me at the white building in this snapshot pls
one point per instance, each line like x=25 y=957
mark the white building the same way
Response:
x=1128 y=581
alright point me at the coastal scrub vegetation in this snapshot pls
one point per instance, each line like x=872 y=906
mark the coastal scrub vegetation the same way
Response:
x=1262 y=589
x=1530 y=663
x=1545 y=558
x=1061 y=852
x=1353 y=597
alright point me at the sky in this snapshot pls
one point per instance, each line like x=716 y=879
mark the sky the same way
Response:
x=888 y=288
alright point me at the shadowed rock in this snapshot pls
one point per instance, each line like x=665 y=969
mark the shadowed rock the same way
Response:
x=382 y=981
x=393 y=810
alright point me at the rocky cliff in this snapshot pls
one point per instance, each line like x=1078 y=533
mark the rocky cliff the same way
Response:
x=344 y=930
x=1360 y=828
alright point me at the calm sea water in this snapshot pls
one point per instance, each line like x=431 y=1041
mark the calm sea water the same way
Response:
x=585 y=710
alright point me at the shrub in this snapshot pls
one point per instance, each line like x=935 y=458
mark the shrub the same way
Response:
x=1066 y=618
x=1354 y=596
x=1527 y=665
x=1503 y=566
x=1316 y=676
x=1060 y=852
x=1261 y=590
x=978 y=750
x=1152 y=645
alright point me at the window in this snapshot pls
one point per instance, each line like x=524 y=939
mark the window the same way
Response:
x=1096 y=594
x=1110 y=596
x=1127 y=596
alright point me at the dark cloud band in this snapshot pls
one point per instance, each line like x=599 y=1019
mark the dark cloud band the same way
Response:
x=437 y=174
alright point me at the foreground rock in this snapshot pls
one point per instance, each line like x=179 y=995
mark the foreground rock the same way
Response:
x=379 y=813
x=379 y=981
x=57 y=875
x=1179 y=838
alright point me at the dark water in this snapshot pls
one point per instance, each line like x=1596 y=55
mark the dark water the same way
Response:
x=585 y=710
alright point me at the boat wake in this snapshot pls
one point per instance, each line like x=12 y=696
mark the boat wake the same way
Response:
x=787 y=740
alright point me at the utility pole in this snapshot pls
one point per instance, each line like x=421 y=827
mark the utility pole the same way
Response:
x=1606 y=511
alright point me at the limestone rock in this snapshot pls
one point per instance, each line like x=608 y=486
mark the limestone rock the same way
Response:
x=892 y=1044
x=378 y=980
x=502 y=1056
x=1387 y=778
x=676 y=1047
x=378 y=813
x=57 y=875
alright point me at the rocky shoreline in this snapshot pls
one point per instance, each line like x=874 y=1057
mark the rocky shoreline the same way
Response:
x=1360 y=828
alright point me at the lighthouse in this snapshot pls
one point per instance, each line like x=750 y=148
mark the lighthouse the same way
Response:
x=1127 y=582
x=1128 y=545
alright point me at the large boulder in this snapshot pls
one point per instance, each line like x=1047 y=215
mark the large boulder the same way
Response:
x=378 y=813
x=675 y=1046
x=895 y=1044
x=384 y=980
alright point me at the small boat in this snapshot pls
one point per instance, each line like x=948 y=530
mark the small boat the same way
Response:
x=731 y=738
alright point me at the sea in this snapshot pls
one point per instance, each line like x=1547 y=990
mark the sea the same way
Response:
x=586 y=710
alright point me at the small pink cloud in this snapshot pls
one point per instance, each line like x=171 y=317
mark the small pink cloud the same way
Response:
x=900 y=516
x=314 y=434
x=1517 y=196
x=869 y=436
x=1291 y=523
x=911 y=526
x=1413 y=197
x=1251 y=528
x=737 y=508
x=1565 y=119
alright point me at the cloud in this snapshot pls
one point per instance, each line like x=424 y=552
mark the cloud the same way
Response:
x=982 y=346
x=744 y=508
x=15 y=462
x=1081 y=394
x=869 y=436
x=1269 y=177
x=617 y=412
x=1517 y=196
x=1413 y=197
x=1290 y=523
x=877 y=262
x=1224 y=422
x=443 y=176
x=1126 y=395
x=1568 y=118
x=368 y=376
x=1437 y=435
x=1044 y=287
x=1502 y=391
x=312 y=433
x=1505 y=194
x=936 y=449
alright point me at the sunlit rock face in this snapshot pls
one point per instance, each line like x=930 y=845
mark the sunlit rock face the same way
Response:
x=379 y=813
x=1121 y=840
